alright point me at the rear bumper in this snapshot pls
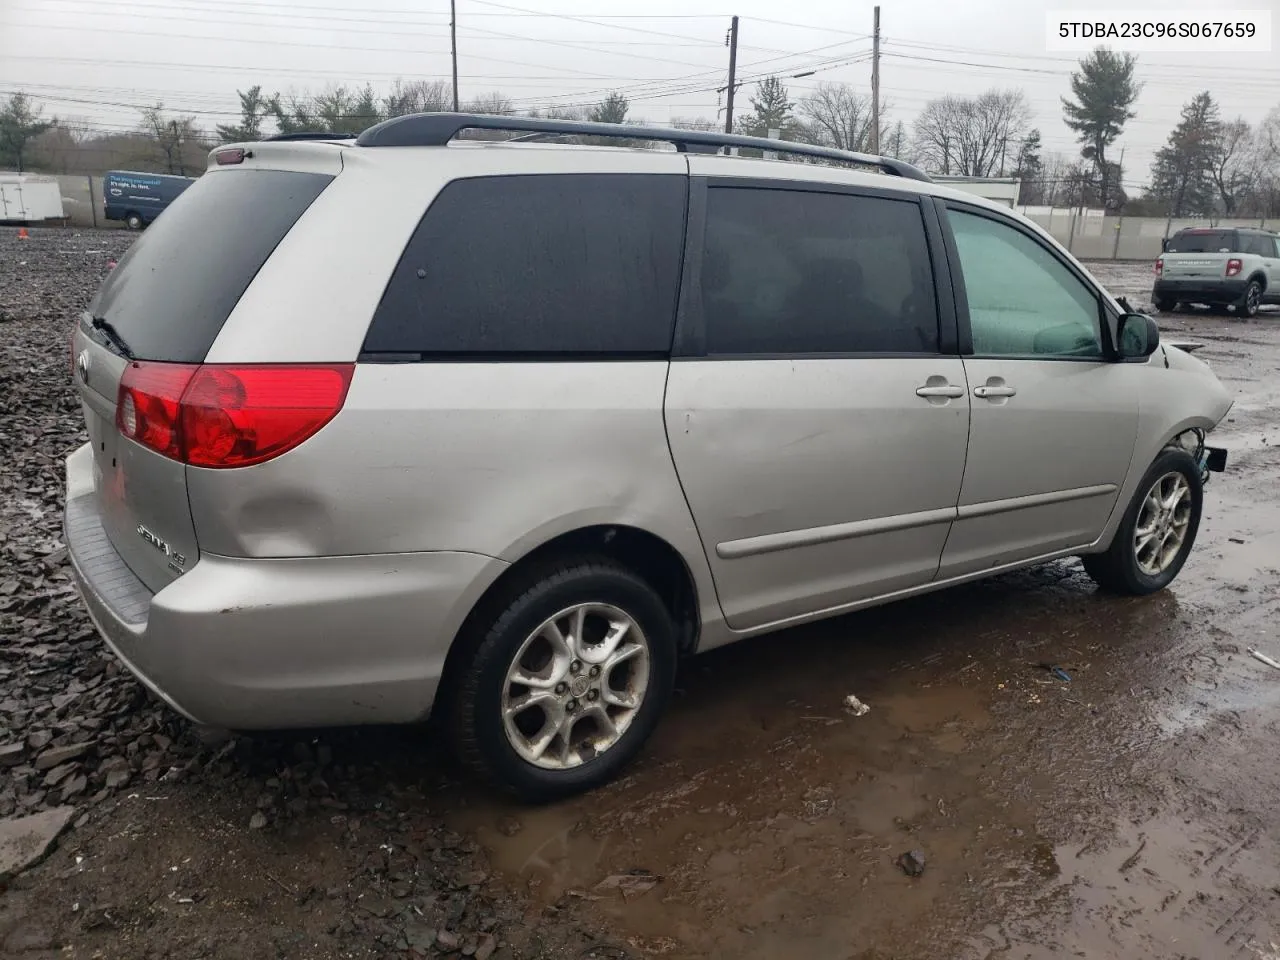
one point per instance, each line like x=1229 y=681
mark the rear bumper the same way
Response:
x=273 y=644
x=1200 y=291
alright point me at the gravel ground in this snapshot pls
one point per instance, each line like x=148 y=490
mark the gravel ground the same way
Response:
x=985 y=808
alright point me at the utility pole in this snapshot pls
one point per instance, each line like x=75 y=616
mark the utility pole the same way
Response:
x=453 y=48
x=732 y=42
x=875 y=85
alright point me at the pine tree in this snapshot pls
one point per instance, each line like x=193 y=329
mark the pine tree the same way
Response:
x=20 y=123
x=612 y=109
x=253 y=110
x=1105 y=91
x=1181 y=175
x=771 y=110
x=1029 y=169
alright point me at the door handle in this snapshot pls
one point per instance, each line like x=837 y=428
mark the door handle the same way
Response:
x=989 y=393
x=949 y=390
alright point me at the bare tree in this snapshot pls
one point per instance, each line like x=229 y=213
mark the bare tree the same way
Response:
x=702 y=124
x=495 y=104
x=176 y=137
x=1234 y=165
x=936 y=131
x=1049 y=188
x=972 y=136
x=60 y=149
x=836 y=115
x=895 y=143
x=417 y=96
x=561 y=113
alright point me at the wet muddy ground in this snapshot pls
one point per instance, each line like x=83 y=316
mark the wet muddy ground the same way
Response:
x=1131 y=811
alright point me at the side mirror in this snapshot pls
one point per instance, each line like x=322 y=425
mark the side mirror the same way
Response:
x=1137 y=336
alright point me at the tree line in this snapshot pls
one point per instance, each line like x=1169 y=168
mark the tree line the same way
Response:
x=1208 y=166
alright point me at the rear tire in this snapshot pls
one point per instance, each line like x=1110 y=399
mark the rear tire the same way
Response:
x=593 y=708
x=133 y=221
x=1250 y=300
x=1165 y=306
x=1143 y=556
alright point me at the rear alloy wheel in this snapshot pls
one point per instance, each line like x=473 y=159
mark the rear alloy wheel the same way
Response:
x=1157 y=531
x=567 y=681
x=1250 y=300
x=133 y=221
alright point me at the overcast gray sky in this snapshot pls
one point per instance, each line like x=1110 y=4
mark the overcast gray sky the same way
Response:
x=102 y=59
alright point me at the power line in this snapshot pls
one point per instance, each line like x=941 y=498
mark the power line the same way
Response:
x=348 y=47
x=1179 y=71
x=808 y=26
x=594 y=22
x=292 y=10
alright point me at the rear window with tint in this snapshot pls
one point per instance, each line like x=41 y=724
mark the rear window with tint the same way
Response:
x=546 y=265
x=171 y=293
x=1206 y=241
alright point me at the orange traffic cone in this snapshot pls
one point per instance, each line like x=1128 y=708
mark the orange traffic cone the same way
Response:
x=22 y=234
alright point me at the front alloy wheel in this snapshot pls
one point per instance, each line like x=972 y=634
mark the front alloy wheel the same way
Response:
x=1157 y=531
x=1163 y=522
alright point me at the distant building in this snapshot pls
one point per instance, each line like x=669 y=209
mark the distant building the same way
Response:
x=1003 y=190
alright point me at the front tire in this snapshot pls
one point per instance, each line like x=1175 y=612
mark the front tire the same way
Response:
x=1157 y=532
x=571 y=669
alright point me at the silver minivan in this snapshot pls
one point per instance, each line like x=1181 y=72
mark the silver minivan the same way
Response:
x=499 y=431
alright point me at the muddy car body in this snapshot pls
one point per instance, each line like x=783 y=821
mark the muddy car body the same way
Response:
x=499 y=431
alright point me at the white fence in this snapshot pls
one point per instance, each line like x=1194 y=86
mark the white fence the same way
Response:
x=1091 y=236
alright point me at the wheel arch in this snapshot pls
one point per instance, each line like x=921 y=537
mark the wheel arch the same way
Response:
x=645 y=553
x=1145 y=454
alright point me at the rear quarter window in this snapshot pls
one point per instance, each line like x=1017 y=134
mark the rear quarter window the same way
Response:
x=173 y=290
x=539 y=265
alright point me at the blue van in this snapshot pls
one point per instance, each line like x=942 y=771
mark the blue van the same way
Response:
x=138 y=198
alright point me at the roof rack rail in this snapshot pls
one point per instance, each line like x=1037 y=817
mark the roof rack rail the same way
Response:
x=437 y=129
x=311 y=135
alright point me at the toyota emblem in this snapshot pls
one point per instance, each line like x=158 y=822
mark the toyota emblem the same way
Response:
x=82 y=365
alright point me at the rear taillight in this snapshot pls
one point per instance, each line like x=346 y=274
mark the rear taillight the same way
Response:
x=1234 y=267
x=216 y=415
x=1159 y=267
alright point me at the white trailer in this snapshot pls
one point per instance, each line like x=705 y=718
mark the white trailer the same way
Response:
x=28 y=198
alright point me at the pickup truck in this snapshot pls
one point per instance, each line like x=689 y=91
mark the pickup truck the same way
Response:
x=1219 y=267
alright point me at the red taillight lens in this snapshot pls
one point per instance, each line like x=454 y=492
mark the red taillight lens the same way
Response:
x=237 y=416
x=1159 y=267
x=1234 y=267
x=148 y=405
x=228 y=416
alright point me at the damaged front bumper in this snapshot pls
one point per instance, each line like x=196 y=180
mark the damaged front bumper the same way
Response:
x=1209 y=459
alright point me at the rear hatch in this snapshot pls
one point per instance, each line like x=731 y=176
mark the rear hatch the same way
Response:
x=1199 y=254
x=160 y=310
